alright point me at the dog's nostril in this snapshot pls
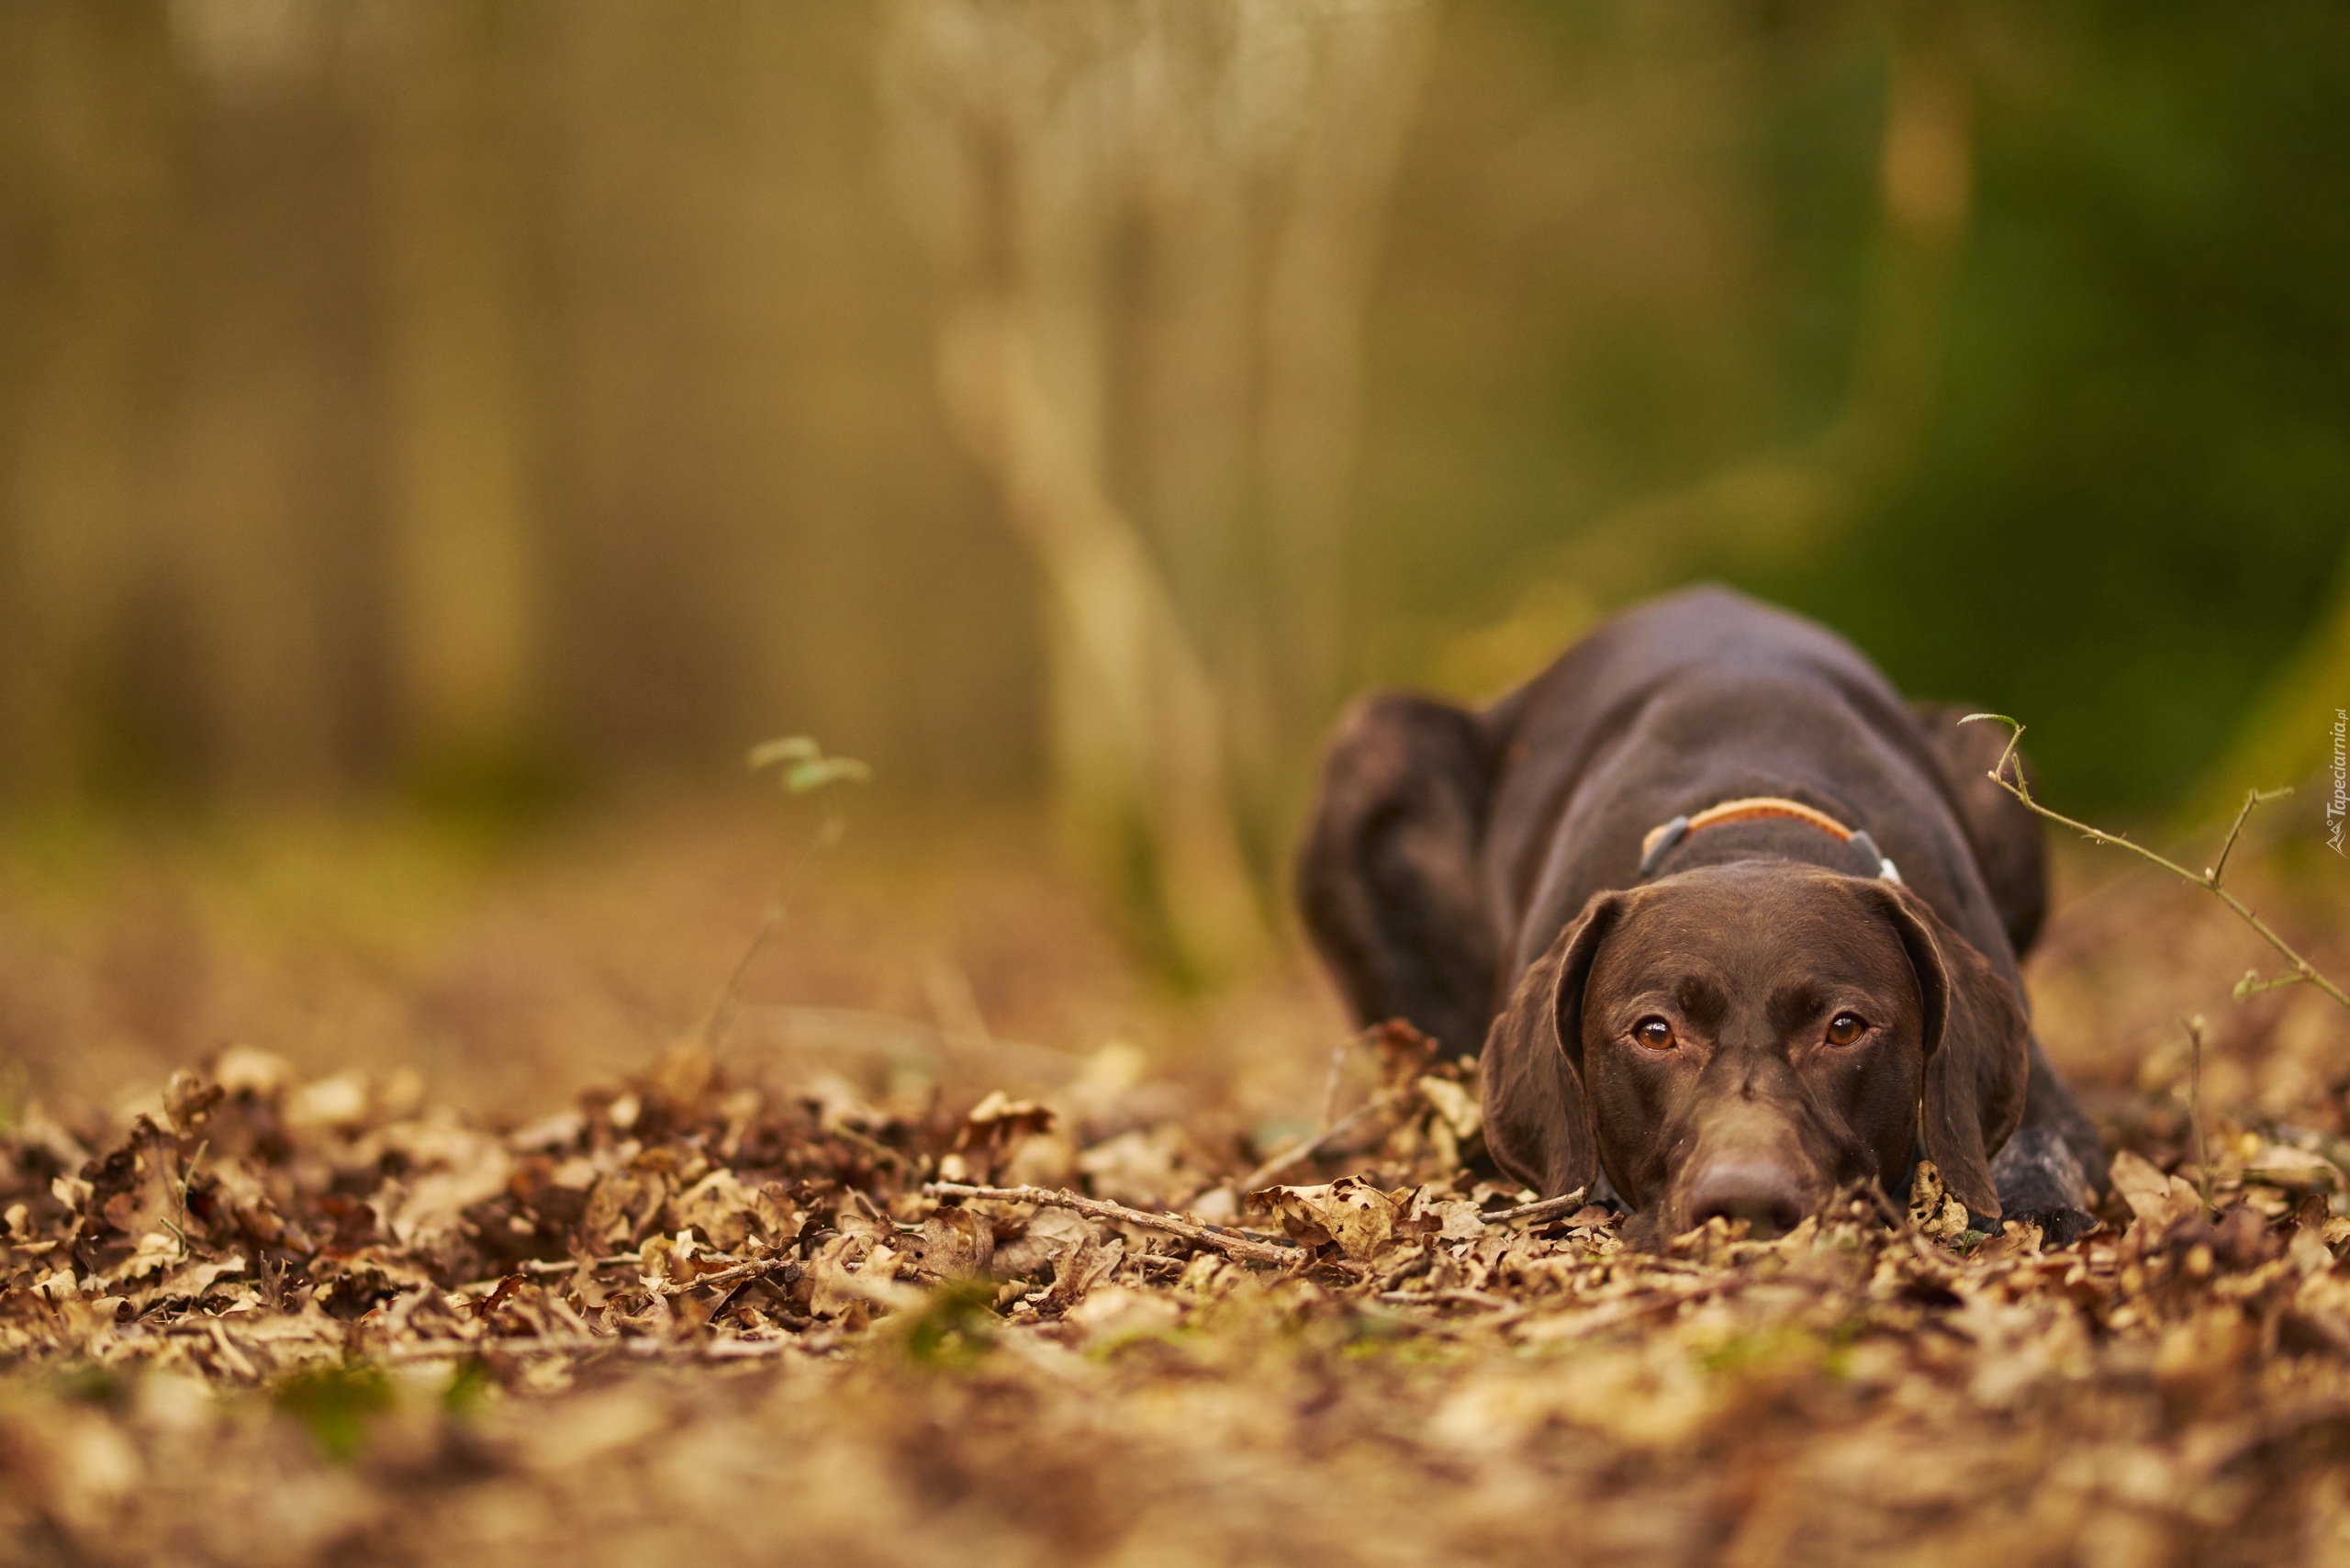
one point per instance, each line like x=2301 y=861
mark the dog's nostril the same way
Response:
x=1766 y=1196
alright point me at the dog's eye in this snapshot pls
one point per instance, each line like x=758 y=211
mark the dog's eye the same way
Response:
x=1653 y=1033
x=1846 y=1027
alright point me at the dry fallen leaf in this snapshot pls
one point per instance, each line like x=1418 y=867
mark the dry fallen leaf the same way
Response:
x=2157 y=1200
x=688 y=1318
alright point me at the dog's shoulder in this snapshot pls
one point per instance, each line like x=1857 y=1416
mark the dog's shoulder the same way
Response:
x=1700 y=696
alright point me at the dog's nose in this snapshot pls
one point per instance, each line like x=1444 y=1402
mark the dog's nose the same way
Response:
x=1765 y=1196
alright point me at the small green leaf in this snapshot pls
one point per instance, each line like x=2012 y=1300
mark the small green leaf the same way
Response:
x=818 y=772
x=469 y=1386
x=957 y=1328
x=337 y=1403
x=790 y=748
x=805 y=766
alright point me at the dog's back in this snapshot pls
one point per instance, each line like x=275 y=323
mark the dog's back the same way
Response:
x=1702 y=697
x=1448 y=847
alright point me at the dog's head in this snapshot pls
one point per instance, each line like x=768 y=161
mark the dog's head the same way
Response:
x=1742 y=1040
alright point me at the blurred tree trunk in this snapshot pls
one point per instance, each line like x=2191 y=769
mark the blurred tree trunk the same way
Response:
x=1326 y=247
x=268 y=484
x=1141 y=741
x=88 y=95
x=1162 y=219
x=465 y=622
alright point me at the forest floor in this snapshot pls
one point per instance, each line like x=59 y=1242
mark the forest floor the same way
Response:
x=370 y=1198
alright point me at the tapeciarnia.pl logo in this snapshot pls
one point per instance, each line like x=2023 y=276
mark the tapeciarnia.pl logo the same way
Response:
x=2338 y=807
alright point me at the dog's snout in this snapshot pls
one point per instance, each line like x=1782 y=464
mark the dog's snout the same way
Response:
x=1763 y=1193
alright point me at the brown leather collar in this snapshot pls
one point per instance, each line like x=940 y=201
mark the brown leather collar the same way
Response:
x=1660 y=838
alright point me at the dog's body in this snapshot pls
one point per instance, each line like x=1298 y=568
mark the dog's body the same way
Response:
x=1465 y=871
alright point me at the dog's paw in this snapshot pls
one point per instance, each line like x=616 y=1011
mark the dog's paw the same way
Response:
x=2042 y=1182
x=2060 y=1226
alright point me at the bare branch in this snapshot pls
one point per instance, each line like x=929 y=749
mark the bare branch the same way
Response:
x=2252 y=798
x=1222 y=1240
x=2008 y=775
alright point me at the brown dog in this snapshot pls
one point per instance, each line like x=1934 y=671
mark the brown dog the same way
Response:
x=1736 y=925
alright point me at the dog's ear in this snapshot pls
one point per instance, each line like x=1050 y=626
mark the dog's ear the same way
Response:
x=1979 y=1045
x=1536 y=1124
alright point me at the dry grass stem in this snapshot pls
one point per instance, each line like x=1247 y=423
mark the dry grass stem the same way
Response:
x=2195 y=1108
x=1323 y=1144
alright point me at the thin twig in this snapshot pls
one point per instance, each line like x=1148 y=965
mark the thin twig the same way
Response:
x=771 y=919
x=756 y=1268
x=1547 y=1208
x=2194 y=1105
x=1174 y=1225
x=805 y=770
x=1331 y=1085
x=2304 y=971
x=1501 y=1311
x=541 y=1268
x=548 y=1268
x=721 y=1012
x=564 y=1344
x=187 y=1179
x=1314 y=1147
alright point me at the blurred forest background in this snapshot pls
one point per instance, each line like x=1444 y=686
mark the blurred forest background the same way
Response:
x=501 y=402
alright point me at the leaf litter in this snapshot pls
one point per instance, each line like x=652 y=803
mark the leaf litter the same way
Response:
x=693 y=1319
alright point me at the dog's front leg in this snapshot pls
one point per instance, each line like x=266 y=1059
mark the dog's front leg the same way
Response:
x=2052 y=1170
